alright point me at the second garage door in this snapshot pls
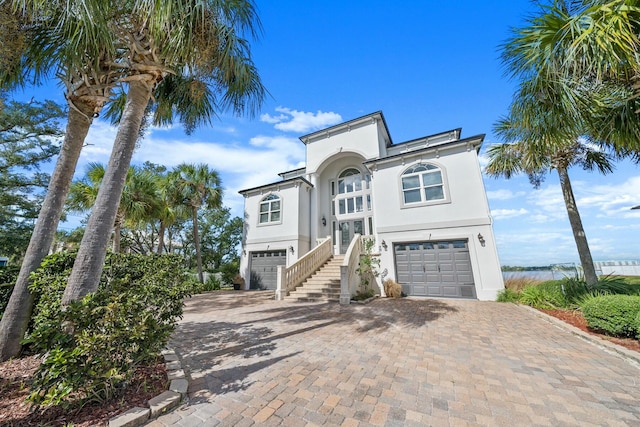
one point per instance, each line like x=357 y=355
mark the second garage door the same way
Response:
x=441 y=269
x=264 y=268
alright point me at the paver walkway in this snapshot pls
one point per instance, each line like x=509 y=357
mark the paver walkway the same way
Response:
x=422 y=362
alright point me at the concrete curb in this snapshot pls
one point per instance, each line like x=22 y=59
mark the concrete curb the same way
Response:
x=632 y=357
x=364 y=301
x=162 y=403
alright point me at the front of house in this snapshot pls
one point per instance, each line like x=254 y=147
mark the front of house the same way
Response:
x=423 y=201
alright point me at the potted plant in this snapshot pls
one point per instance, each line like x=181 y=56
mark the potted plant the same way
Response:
x=238 y=282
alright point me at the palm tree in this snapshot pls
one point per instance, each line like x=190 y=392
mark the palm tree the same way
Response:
x=161 y=38
x=542 y=135
x=137 y=202
x=589 y=50
x=565 y=97
x=168 y=208
x=88 y=83
x=198 y=186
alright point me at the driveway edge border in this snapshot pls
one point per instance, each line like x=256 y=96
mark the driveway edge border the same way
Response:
x=631 y=356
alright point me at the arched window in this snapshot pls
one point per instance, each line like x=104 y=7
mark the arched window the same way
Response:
x=422 y=183
x=270 y=209
x=350 y=181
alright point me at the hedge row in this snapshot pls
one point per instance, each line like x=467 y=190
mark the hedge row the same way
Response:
x=617 y=315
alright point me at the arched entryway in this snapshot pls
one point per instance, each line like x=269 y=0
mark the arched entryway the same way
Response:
x=351 y=209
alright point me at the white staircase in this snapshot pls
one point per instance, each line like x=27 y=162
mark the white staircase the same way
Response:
x=323 y=285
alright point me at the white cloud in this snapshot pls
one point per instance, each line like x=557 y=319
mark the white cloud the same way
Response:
x=241 y=165
x=503 y=194
x=268 y=118
x=508 y=213
x=611 y=199
x=300 y=121
x=548 y=202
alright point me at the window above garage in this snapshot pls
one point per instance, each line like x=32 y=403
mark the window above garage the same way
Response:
x=270 y=209
x=423 y=183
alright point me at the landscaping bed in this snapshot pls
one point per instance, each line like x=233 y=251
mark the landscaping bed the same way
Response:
x=17 y=374
x=575 y=318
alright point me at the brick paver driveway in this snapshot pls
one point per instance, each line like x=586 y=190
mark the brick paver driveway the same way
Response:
x=424 y=362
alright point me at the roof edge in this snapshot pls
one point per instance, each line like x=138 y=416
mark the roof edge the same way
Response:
x=284 y=181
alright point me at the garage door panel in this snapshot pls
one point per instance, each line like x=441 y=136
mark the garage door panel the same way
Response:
x=445 y=256
x=465 y=279
x=432 y=278
x=416 y=267
x=450 y=291
x=434 y=291
x=418 y=289
x=435 y=269
x=467 y=291
x=446 y=267
x=430 y=257
x=414 y=257
x=448 y=278
x=264 y=268
x=463 y=267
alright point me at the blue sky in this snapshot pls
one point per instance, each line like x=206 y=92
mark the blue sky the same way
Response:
x=430 y=67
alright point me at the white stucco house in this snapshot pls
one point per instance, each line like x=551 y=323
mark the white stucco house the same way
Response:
x=423 y=201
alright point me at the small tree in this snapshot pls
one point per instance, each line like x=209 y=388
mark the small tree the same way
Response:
x=368 y=268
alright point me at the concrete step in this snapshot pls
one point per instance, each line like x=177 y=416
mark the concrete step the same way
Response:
x=323 y=285
x=309 y=299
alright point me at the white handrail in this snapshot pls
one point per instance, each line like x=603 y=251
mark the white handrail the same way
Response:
x=291 y=277
x=349 y=277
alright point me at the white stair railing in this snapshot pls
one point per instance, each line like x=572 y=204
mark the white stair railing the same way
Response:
x=291 y=277
x=349 y=277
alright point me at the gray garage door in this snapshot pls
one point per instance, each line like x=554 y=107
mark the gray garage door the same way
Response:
x=264 y=268
x=439 y=269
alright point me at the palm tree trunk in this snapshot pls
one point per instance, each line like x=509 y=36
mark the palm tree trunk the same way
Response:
x=577 y=228
x=18 y=312
x=161 y=238
x=117 y=227
x=89 y=263
x=196 y=242
x=116 y=238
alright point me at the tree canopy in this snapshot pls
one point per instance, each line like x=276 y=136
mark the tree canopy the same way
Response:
x=29 y=137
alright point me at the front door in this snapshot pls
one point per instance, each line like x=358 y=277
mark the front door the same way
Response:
x=351 y=207
x=348 y=229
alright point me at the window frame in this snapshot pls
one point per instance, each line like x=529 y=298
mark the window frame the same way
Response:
x=432 y=167
x=268 y=200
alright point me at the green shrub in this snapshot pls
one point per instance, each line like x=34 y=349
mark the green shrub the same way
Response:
x=508 y=295
x=636 y=325
x=617 y=285
x=583 y=299
x=93 y=347
x=569 y=291
x=547 y=295
x=212 y=283
x=8 y=276
x=612 y=314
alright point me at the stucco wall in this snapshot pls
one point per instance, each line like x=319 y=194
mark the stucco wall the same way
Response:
x=464 y=215
x=362 y=140
x=291 y=232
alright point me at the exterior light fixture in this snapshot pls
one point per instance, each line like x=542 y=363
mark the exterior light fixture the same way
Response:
x=384 y=245
x=324 y=221
x=481 y=239
x=291 y=249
